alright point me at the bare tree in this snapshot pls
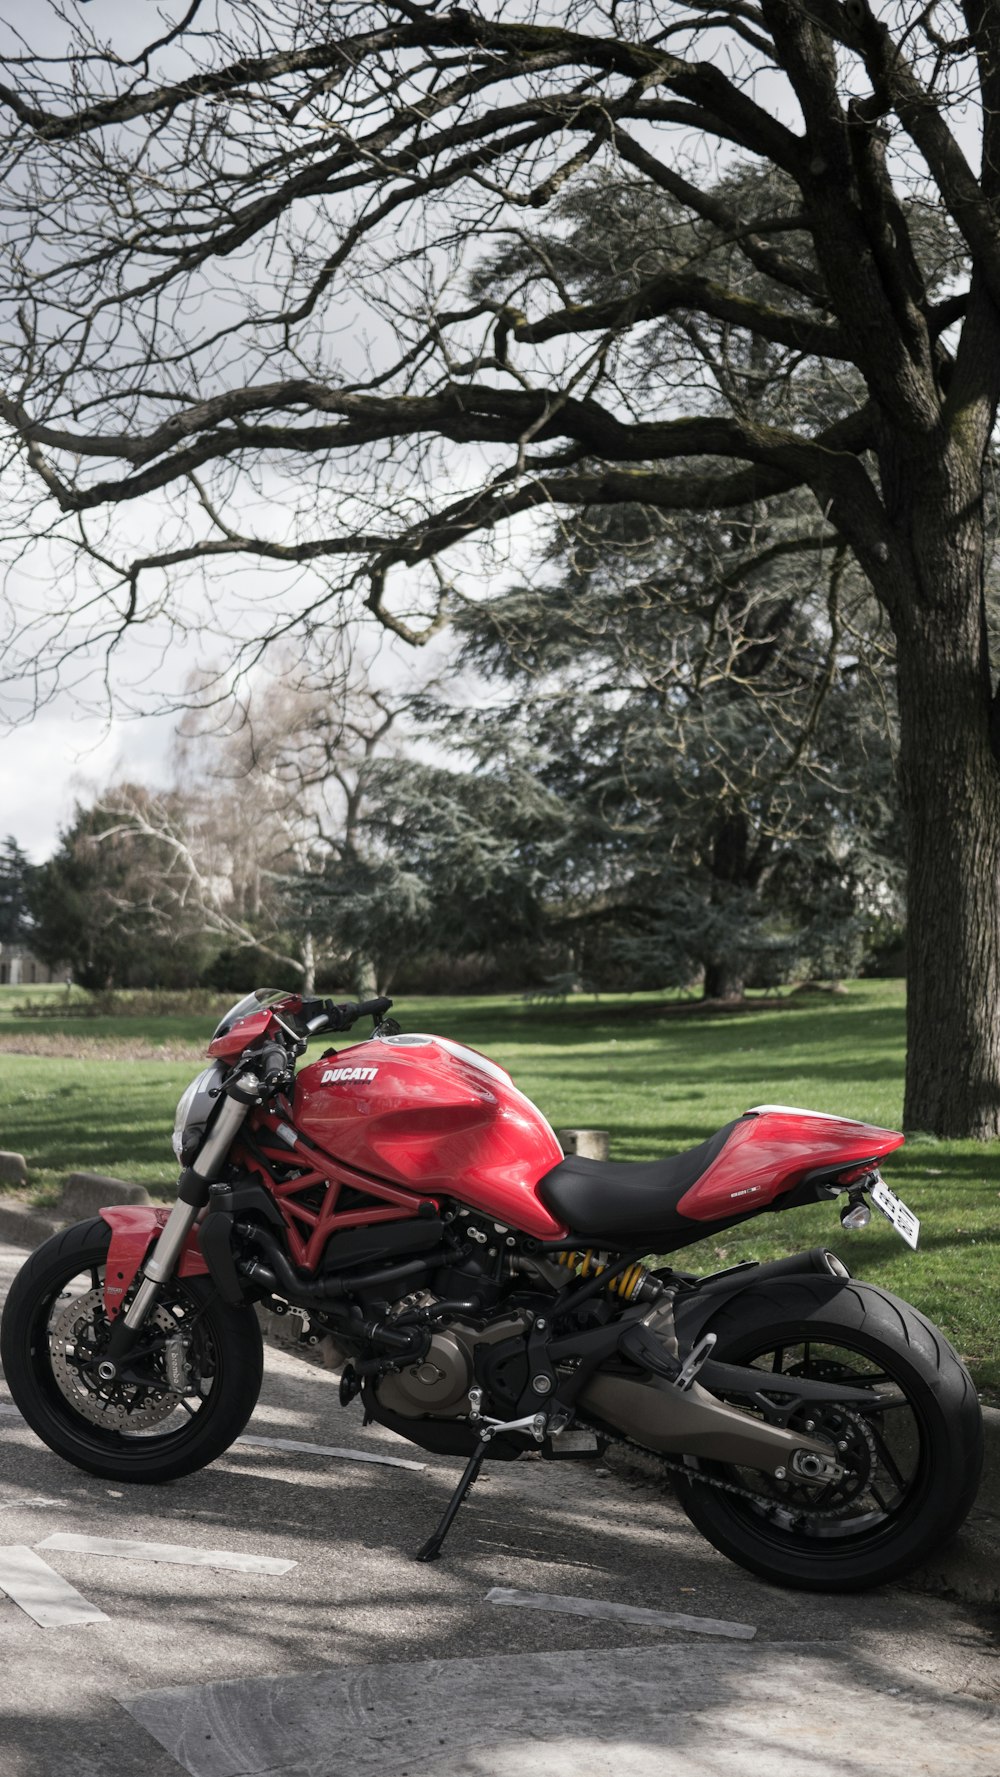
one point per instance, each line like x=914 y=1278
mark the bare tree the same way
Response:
x=266 y=809
x=200 y=234
x=281 y=777
x=183 y=886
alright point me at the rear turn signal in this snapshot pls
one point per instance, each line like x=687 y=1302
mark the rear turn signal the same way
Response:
x=855 y=1213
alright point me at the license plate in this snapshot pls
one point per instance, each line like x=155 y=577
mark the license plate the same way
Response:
x=903 y=1220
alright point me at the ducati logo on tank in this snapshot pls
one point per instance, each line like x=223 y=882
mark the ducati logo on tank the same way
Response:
x=332 y=1076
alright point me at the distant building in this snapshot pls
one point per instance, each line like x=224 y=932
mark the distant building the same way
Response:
x=19 y=967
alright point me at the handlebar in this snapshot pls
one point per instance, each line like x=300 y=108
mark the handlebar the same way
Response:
x=267 y=1066
x=332 y=1016
x=272 y=1061
x=259 y=1073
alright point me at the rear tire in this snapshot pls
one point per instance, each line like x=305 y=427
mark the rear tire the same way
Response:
x=924 y=1451
x=54 y=1318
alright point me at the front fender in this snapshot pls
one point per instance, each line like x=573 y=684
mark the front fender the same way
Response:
x=134 y=1227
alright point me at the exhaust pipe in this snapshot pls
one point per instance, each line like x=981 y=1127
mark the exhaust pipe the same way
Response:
x=280 y=1278
x=817 y=1259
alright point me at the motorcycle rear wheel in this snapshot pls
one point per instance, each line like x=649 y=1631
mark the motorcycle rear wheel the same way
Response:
x=916 y=1460
x=54 y=1322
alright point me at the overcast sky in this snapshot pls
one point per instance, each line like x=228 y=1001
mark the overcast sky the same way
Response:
x=66 y=751
x=62 y=754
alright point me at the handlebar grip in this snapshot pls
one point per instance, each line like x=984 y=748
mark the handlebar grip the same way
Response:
x=274 y=1064
x=373 y=1008
x=260 y=1070
x=341 y=1017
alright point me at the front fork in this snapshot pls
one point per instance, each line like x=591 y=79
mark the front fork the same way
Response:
x=192 y=1196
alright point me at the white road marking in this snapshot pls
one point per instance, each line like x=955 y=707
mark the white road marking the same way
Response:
x=329 y=1450
x=176 y=1553
x=607 y=1609
x=16 y=1505
x=303 y=1449
x=44 y=1595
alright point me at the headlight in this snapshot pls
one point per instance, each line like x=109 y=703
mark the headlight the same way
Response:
x=194 y=1108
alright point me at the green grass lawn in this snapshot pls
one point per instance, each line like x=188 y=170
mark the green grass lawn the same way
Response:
x=659 y=1081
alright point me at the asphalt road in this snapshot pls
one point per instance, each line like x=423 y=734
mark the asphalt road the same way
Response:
x=453 y=1684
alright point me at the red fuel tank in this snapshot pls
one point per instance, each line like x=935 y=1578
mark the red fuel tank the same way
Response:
x=429 y=1114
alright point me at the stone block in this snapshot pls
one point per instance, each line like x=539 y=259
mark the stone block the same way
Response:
x=590 y=1144
x=84 y=1193
x=13 y=1169
x=723 y=1709
x=25 y=1227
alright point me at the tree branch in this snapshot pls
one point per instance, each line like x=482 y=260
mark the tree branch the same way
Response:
x=671 y=290
x=464 y=414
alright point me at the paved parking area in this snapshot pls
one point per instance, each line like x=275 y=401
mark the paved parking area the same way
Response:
x=413 y=1670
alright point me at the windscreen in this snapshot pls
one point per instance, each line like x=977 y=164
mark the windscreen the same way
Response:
x=251 y=1002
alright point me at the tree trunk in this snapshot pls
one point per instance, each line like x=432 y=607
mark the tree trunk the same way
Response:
x=951 y=793
x=723 y=981
x=365 y=976
x=725 y=972
x=308 y=964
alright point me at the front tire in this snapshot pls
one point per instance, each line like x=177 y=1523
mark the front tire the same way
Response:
x=913 y=1463
x=154 y=1430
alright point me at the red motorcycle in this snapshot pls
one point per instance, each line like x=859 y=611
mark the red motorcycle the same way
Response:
x=414 y=1213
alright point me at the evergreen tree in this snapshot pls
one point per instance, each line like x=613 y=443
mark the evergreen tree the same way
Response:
x=15 y=880
x=699 y=706
x=102 y=904
x=443 y=861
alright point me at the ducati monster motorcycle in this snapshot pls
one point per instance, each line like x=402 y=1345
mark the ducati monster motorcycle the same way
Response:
x=413 y=1213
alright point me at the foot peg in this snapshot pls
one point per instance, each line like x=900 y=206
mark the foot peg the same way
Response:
x=642 y=1345
x=649 y=1351
x=694 y=1360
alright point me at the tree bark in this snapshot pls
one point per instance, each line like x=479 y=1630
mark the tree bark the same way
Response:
x=951 y=794
x=365 y=976
x=730 y=867
x=723 y=981
x=308 y=964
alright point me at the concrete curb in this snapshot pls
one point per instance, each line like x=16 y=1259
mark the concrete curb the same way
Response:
x=969 y=1567
x=22 y=1226
x=966 y=1568
x=84 y=1194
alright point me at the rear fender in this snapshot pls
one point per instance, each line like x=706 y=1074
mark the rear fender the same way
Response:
x=134 y=1227
x=693 y=1311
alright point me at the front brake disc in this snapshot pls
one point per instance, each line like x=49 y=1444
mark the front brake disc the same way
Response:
x=73 y=1340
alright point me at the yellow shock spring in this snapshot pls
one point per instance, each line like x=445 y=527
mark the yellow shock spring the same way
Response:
x=627 y=1284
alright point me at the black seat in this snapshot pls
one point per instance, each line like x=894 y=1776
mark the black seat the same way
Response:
x=624 y=1203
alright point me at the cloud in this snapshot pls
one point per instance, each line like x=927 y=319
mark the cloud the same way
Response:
x=63 y=755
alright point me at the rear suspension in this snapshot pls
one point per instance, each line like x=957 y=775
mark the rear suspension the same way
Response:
x=635 y=1284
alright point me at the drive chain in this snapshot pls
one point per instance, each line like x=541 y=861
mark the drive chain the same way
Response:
x=721 y=1486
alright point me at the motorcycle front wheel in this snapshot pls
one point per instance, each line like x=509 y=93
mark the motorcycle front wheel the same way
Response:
x=911 y=1462
x=196 y=1376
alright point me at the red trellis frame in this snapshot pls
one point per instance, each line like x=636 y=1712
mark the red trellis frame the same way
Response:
x=391 y=1202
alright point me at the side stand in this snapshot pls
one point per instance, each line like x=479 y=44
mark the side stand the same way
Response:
x=432 y=1547
x=535 y=1423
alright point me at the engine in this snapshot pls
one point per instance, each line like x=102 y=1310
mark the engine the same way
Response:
x=301 y=1333
x=415 y=1357
x=439 y=1384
